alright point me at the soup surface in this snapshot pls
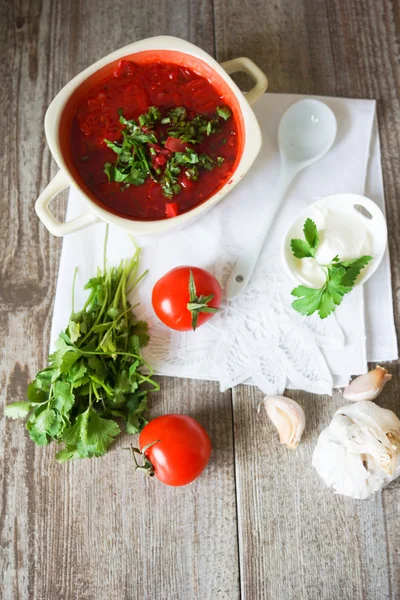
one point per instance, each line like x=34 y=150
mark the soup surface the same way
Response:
x=153 y=140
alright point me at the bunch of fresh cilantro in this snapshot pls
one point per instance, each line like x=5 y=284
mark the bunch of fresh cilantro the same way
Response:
x=340 y=275
x=96 y=376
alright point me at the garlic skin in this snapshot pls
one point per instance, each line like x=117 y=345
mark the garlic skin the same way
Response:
x=368 y=386
x=288 y=417
x=359 y=452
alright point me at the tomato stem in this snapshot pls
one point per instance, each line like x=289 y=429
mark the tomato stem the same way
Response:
x=147 y=467
x=198 y=304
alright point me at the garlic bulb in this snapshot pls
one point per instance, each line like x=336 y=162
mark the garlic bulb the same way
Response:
x=288 y=417
x=368 y=386
x=359 y=452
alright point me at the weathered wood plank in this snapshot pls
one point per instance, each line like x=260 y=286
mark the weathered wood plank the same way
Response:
x=63 y=531
x=296 y=539
x=91 y=529
x=112 y=533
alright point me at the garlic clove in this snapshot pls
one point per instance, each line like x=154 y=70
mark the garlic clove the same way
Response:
x=288 y=418
x=368 y=386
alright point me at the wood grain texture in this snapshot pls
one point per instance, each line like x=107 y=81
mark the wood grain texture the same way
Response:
x=296 y=539
x=92 y=529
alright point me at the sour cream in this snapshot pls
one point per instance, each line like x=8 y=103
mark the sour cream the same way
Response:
x=349 y=226
x=340 y=234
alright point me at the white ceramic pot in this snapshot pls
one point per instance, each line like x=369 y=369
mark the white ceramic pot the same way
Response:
x=60 y=113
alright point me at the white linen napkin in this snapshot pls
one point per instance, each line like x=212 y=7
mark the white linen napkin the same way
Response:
x=258 y=338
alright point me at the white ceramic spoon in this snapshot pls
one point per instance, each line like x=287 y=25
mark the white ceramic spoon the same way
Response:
x=306 y=132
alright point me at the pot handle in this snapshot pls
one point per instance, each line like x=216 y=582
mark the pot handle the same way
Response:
x=57 y=185
x=248 y=66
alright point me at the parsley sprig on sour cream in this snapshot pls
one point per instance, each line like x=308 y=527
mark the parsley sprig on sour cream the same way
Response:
x=340 y=276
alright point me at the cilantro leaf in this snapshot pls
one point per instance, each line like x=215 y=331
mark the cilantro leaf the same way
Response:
x=73 y=435
x=301 y=248
x=65 y=455
x=63 y=398
x=100 y=433
x=311 y=233
x=35 y=394
x=69 y=359
x=306 y=248
x=39 y=425
x=76 y=372
x=353 y=269
x=74 y=330
x=309 y=299
x=17 y=410
x=137 y=406
x=91 y=435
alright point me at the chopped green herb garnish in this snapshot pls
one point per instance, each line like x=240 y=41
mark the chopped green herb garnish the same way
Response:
x=192 y=173
x=151 y=117
x=177 y=114
x=206 y=162
x=223 y=112
x=137 y=152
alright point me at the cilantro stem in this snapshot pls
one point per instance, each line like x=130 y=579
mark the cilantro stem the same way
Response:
x=134 y=283
x=129 y=354
x=73 y=290
x=124 y=314
x=95 y=353
x=118 y=291
x=94 y=388
x=149 y=380
x=105 y=248
x=103 y=385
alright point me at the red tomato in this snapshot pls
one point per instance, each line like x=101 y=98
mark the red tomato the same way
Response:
x=171 y=298
x=186 y=182
x=172 y=209
x=182 y=449
x=125 y=67
x=175 y=145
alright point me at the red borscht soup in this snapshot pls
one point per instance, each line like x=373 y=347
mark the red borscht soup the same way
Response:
x=154 y=140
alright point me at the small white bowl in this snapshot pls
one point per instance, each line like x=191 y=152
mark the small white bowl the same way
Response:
x=353 y=206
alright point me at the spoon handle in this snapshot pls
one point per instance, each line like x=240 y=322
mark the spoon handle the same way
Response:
x=243 y=270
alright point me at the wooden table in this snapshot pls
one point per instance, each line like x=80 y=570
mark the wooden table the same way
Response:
x=259 y=524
